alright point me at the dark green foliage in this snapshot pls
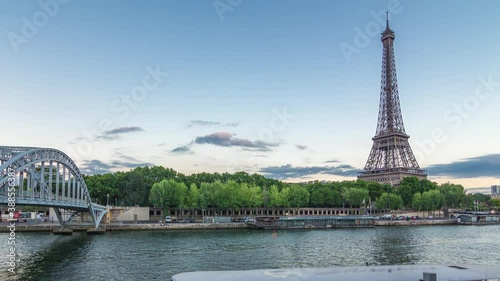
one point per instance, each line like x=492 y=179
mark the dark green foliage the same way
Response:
x=483 y=202
x=390 y=201
x=135 y=191
x=495 y=203
x=325 y=196
x=411 y=185
x=454 y=194
x=432 y=200
x=354 y=197
x=169 y=194
x=243 y=190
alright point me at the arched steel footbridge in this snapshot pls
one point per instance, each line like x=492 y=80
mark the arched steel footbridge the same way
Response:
x=45 y=177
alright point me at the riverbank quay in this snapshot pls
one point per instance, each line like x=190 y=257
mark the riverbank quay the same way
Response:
x=126 y=227
x=341 y=222
x=196 y=226
x=319 y=222
x=415 y=222
x=174 y=226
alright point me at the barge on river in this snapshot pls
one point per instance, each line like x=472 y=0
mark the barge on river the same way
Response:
x=312 y=222
x=478 y=218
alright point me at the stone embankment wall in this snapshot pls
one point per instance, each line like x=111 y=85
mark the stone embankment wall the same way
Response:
x=197 y=226
x=127 y=227
x=414 y=222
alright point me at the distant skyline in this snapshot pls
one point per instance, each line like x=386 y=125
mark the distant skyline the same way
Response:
x=287 y=89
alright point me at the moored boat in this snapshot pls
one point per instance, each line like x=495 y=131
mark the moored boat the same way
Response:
x=478 y=218
x=276 y=222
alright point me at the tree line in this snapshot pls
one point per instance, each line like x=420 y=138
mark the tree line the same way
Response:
x=164 y=187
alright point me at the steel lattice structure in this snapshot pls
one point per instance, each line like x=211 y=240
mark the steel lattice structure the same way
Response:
x=391 y=157
x=46 y=177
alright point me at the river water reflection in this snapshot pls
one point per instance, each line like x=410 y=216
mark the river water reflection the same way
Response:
x=157 y=255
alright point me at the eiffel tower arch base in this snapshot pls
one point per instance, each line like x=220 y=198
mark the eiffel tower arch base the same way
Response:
x=391 y=176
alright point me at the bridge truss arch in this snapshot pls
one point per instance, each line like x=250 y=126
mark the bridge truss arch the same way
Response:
x=45 y=177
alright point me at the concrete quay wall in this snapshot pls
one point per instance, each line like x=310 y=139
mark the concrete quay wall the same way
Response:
x=414 y=222
x=174 y=226
x=195 y=226
x=127 y=227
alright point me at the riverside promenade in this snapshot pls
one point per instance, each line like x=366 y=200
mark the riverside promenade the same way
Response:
x=48 y=227
x=415 y=222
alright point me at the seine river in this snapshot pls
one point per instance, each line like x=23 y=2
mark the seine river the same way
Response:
x=157 y=255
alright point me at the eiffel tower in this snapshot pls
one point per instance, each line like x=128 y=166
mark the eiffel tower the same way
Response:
x=391 y=158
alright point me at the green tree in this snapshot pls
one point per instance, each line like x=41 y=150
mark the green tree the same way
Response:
x=283 y=197
x=169 y=194
x=418 y=202
x=324 y=196
x=255 y=197
x=155 y=174
x=454 y=194
x=375 y=190
x=135 y=191
x=411 y=185
x=495 y=202
x=222 y=195
x=193 y=198
x=406 y=192
x=482 y=201
x=274 y=197
x=414 y=182
x=317 y=198
x=389 y=201
x=100 y=186
x=354 y=196
x=158 y=196
x=208 y=194
x=298 y=196
x=432 y=200
x=426 y=185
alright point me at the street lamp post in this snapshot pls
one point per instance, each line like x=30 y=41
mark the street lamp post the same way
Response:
x=107 y=200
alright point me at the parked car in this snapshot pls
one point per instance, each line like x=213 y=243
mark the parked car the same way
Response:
x=387 y=216
x=41 y=217
x=168 y=219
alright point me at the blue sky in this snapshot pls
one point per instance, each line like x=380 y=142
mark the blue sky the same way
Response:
x=261 y=86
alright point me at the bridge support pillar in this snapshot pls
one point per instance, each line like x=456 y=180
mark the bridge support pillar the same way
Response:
x=97 y=212
x=59 y=216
